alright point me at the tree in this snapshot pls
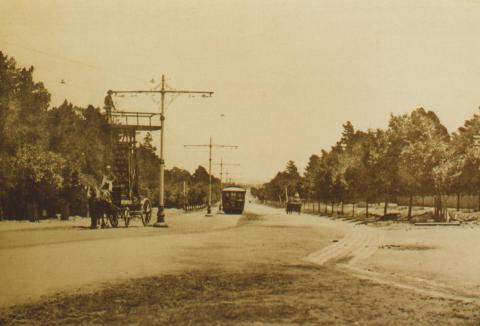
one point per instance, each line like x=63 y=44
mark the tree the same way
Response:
x=38 y=176
x=174 y=179
x=285 y=182
x=23 y=106
x=332 y=187
x=421 y=139
x=200 y=175
x=309 y=175
x=446 y=176
x=463 y=144
x=362 y=172
x=148 y=171
x=48 y=155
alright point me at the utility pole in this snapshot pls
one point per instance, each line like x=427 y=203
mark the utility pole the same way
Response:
x=184 y=195
x=162 y=91
x=476 y=145
x=210 y=146
x=220 y=208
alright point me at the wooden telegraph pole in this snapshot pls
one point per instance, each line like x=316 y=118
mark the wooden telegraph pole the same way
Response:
x=210 y=146
x=184 y=195
x=162 y=91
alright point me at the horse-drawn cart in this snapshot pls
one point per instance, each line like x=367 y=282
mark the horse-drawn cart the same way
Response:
x=292 y=207
x=294 y=204
x=121 y=182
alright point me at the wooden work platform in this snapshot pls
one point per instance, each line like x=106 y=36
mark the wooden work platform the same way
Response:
x=136 y=127
x=139 y=121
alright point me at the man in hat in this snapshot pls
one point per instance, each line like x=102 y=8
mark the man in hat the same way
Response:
x=108 y=102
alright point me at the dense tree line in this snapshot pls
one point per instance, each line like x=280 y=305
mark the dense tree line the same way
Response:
x=49 y=155
x=414 y=156
x=181 y=187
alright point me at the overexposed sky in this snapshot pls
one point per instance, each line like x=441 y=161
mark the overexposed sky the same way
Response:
x=286 y=74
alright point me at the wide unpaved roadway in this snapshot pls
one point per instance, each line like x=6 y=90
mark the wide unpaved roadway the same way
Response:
x=41 y=259
x=263 y=267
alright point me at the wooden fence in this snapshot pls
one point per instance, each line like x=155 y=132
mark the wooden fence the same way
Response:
x=194 y=207
x=462 y=201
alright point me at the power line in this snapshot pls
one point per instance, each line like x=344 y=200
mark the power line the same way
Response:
x=210 y=146
x=68 y=83
x=76 y=61
x=227 y=173
x=163 y=92
x=222 y=164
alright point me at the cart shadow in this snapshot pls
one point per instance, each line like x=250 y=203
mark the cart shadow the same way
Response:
x=79 y=227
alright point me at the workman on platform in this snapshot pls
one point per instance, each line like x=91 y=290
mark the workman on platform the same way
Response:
x=108 y=102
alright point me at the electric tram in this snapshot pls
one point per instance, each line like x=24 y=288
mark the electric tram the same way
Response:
x=233 y=200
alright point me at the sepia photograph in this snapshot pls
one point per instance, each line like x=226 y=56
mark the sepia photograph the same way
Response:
x=239 y=162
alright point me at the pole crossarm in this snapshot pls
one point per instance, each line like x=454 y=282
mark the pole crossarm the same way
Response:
x=207 y=145
x=163 y=92
x=224 y=164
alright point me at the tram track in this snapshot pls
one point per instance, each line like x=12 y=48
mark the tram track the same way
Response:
x=350 y=254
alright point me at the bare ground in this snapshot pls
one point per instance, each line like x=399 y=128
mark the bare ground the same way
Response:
x=262 y=294
x=270 y=269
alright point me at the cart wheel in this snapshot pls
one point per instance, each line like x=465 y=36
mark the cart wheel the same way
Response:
x=146 y=212
x=126 y=217
x=113 y=219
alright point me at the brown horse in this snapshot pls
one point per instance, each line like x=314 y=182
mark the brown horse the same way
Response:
x=100 y=206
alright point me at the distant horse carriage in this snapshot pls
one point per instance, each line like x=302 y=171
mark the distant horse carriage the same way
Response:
x=293 y=205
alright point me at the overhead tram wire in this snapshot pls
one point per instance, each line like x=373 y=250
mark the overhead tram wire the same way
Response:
x=163 y=92
x=68 y=83
x=222 y=164
x=78 y=62
x=210 y=145
x=174 y=94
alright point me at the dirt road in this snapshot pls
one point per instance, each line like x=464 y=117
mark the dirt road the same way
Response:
x=44 y=258
x=263 y=267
